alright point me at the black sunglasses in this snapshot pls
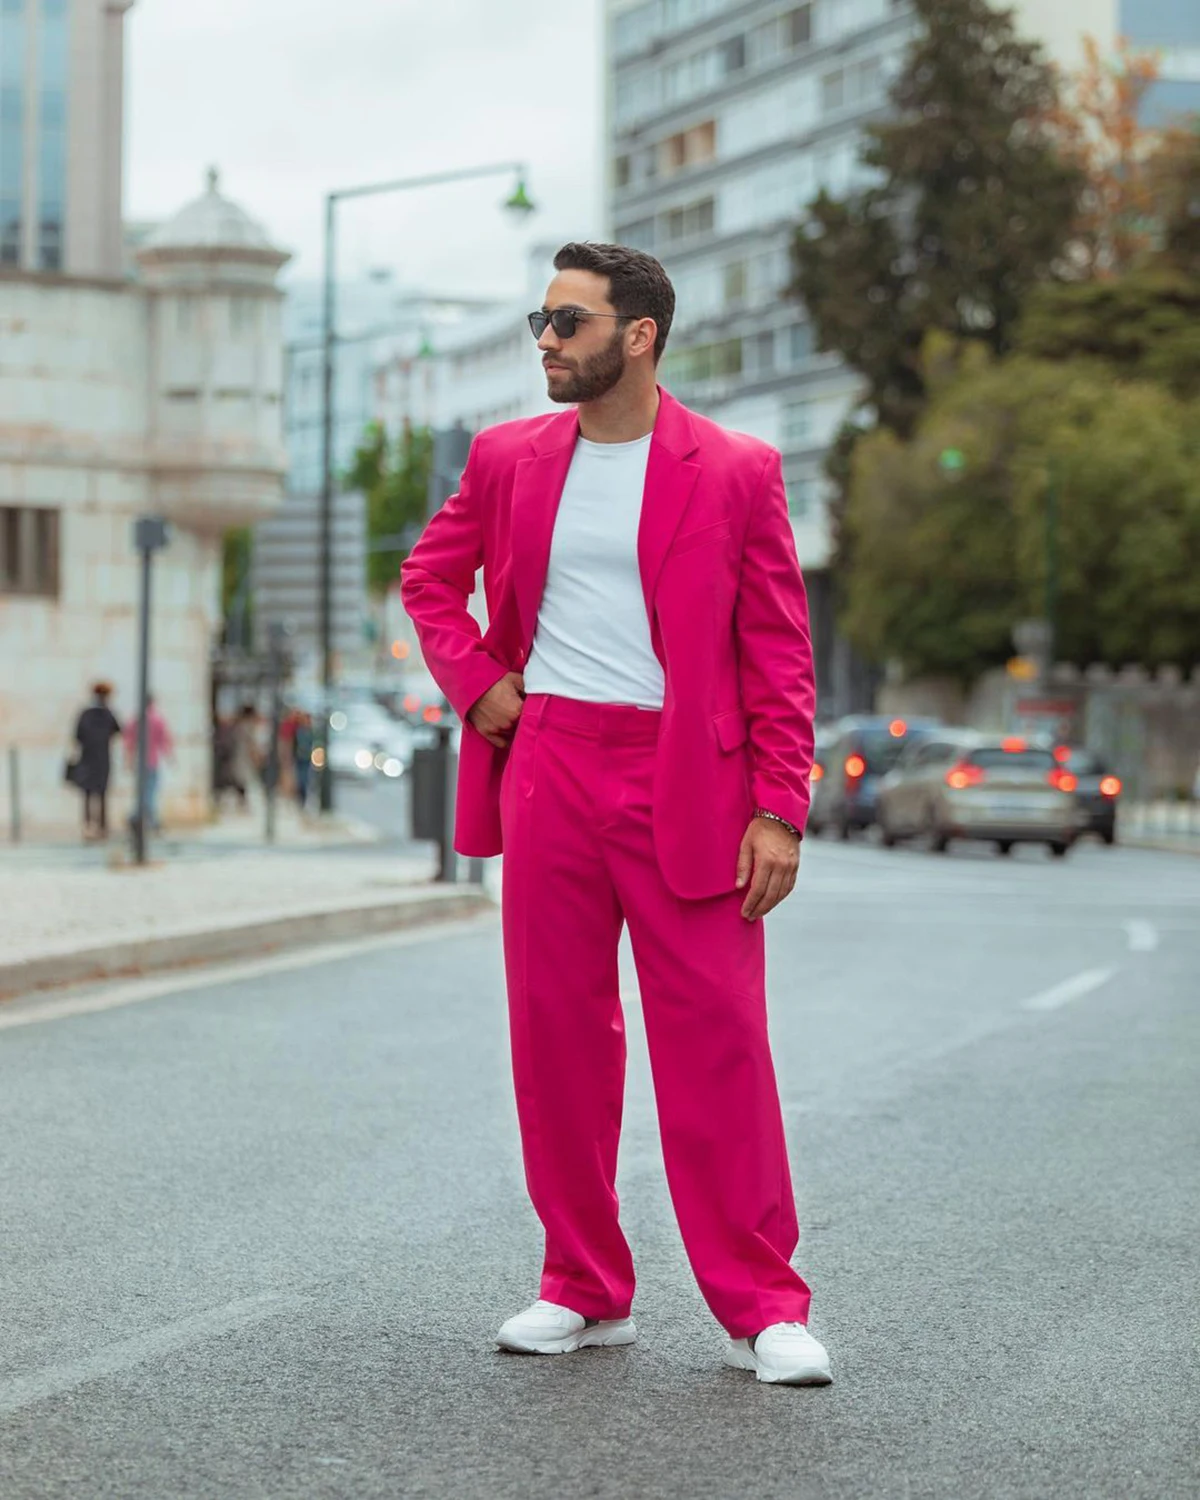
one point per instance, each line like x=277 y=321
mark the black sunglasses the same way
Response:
x=565 y=321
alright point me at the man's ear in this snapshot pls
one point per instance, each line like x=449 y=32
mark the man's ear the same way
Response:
x=645 y=333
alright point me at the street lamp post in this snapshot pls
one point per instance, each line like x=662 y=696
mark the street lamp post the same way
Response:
x=518 y=202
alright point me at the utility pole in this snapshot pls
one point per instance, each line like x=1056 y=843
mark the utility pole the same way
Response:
x=150 y=536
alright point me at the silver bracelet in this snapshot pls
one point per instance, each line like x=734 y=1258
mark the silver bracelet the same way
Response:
x=761 y=812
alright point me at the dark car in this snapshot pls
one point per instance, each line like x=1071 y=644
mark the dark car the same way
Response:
x=1097 y=791
x=857 y=756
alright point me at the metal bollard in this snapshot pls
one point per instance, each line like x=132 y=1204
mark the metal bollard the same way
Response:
x=433 y=800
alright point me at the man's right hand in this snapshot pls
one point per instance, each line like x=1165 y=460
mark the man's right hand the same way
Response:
x=495 y=715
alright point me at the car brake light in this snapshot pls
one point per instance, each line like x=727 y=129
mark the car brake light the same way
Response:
x=1062 y=755
x=1062 y=780
x=411 y=703
x=1110 y=786
x=897 y=729
x=432 y=714
x=855 y=767
x=962 y=776
x=1013 y=745
x=817 y=771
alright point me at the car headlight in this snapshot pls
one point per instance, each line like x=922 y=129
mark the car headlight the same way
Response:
x=392 y=767
x=364 y=760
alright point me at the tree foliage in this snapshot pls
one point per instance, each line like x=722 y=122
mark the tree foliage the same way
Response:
x=393 y=474
x=946 y=563
x=971 y=205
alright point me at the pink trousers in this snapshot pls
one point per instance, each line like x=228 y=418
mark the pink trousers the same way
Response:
x=579 y=862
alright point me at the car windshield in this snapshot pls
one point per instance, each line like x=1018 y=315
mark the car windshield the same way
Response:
x=1084 y=763
x=994 y=758
x=880 y=748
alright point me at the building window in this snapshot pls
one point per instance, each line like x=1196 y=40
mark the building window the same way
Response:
x=733 y=55
x=12 y=128
x=52 y=127
x=28 y=551
x=798 y=26
x=735 y=282
x=804 y=496
x=761 y=353
x=621 y=172
x=800 y=343
x=639 y=235
x=833 y=90
x=688 y=148
x=798 y=424
x=703 y=362
x=686 y=223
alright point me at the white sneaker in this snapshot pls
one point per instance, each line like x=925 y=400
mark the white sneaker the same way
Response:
x=783 y=1354
x=547 y=1328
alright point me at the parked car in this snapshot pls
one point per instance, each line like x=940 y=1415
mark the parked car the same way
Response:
x=857 y=754
x=1097 y=791
x=955 y=784
x=365 y=741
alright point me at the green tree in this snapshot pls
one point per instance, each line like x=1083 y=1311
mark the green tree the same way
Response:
x=947 y=561
x=394 y=476
x=237 y=602
x=972 y=206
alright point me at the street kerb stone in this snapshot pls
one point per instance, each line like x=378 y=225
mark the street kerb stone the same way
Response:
x=131 y=957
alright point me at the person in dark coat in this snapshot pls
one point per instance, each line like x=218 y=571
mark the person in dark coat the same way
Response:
x=95 y=731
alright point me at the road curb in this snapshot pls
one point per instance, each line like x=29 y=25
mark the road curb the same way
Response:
x=138 y=956
x=1163 y=845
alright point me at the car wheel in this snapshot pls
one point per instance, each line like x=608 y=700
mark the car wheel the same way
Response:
x=1004 y=846
x=843 y=829
x=886 y=837
x=939 y=842
x=1109 y=836
x=1058 y=848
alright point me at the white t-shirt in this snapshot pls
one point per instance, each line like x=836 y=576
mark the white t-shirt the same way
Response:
x=593 y=634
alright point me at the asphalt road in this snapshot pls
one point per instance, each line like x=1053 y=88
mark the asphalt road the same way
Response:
x=257 y=1231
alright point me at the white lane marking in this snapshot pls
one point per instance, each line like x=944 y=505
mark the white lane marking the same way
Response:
x=1143 y=936
x=30 y=1011
x=26 y=1390
x=1068 y=990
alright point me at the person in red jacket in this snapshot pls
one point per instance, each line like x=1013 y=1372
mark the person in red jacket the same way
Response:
x=637 y=740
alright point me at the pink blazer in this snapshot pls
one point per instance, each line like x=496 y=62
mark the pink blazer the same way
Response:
x=728 y=620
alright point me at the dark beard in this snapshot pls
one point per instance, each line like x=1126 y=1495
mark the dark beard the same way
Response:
x=596 y=377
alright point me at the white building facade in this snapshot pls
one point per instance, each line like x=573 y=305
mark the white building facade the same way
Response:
x=119 y=398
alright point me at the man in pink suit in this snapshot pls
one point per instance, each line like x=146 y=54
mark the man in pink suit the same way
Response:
x=637 y=742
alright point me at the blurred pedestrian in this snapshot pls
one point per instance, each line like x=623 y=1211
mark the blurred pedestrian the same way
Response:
x=303 y=740
x=637 y=740
x=91 y=767
x=159 y=747
x=243 y=757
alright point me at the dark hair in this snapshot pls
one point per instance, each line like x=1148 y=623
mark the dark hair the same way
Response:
x=638 y=287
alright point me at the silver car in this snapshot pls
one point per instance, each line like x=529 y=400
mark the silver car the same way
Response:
x=961 y=785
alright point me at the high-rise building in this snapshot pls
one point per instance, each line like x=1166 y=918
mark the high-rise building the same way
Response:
x=61 y=116
x=724 y=119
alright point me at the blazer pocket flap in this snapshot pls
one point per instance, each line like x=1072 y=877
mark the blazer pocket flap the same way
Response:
x=718 y=531
x=732 y=729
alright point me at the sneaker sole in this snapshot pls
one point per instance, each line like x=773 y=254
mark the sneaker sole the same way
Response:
x=599 y=1336
x=739 y=1359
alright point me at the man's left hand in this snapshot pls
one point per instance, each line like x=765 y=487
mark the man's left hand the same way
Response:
x=768 y=861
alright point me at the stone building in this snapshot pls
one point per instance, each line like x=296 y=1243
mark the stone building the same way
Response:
x=159 y=395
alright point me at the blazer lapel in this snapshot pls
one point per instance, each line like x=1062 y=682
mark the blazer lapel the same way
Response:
x=537 y=490
x=670 y=480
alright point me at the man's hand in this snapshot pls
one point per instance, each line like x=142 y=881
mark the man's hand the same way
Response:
x=768 y=859
x=495 y=715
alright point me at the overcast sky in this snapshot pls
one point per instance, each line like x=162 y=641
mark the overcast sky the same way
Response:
x=289 y=100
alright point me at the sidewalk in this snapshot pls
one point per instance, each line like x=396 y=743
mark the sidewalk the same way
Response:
x=1172 y=826
x=75 y=913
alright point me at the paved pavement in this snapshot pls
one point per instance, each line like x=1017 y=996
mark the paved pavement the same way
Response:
x=260 y=1226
